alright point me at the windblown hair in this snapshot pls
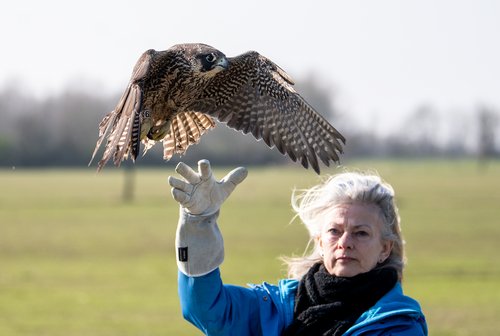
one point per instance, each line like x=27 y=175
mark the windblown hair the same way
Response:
x=313 y=206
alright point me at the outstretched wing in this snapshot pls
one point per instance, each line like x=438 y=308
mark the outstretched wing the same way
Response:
x=256 y=96
x=123 y=123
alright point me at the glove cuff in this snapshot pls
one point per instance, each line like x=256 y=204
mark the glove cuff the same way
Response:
x=199 y=244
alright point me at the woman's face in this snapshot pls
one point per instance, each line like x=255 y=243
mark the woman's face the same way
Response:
x=351 y=239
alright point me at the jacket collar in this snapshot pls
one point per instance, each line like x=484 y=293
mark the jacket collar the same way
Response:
x=393 y=309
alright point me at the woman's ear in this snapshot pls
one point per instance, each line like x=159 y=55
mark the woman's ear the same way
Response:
x=318 y=241
x=386 y=250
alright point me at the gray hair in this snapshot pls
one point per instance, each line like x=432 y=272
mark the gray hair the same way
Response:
x=313 y=205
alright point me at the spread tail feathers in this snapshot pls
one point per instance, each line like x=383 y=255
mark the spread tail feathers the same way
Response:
x=186 y=129
x=124 y=124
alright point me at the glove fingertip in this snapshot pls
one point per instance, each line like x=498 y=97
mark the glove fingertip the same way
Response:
x=180 y=166
x=179 y=195
x=240 y=174
x=204 y=162
x=204 y=169
x=236 y=176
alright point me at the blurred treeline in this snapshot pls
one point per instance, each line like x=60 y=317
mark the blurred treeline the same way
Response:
x=61 y=130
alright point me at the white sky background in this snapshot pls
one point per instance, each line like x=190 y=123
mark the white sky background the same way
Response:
x=382 y=59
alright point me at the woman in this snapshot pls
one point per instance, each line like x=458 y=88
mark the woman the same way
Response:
x=350 y=284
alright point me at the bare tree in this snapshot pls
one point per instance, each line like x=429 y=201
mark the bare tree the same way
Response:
x=487 y=126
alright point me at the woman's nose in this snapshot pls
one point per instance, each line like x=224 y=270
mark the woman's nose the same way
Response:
x=345 y=241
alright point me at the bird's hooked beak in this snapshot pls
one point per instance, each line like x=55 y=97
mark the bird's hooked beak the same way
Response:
x=222 y=62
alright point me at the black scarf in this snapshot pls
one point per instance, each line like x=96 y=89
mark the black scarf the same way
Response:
x=329 y=305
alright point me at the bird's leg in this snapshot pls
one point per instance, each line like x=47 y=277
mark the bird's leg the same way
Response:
x=160 y=130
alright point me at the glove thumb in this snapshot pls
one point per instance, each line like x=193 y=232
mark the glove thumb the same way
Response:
x=233 y=178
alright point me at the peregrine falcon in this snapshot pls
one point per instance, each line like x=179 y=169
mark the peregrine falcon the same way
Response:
x=174 y=96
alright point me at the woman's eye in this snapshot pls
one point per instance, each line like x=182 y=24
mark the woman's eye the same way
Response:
x=210 y=58
x=335 y=232
x=361 y=234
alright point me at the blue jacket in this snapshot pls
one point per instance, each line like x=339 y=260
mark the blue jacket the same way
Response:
x=218 y=309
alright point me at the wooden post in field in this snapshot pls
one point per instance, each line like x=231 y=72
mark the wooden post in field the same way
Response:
x=128 y=182
x=487 y=124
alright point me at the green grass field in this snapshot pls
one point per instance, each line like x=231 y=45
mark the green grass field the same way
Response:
x=76 y=260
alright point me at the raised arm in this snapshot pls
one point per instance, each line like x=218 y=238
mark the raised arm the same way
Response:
x=206 y=302
x=213 y=307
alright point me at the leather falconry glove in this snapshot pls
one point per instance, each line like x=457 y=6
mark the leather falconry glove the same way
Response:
x=199 y=243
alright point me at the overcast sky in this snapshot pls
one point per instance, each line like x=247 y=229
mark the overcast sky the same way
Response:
x=379 y=57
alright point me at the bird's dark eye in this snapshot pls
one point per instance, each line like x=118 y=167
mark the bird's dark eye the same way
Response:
x=211 y=58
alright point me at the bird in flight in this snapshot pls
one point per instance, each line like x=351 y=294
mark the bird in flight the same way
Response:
x=174 y=96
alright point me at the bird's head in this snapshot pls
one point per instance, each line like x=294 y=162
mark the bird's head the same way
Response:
x=205 y=60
